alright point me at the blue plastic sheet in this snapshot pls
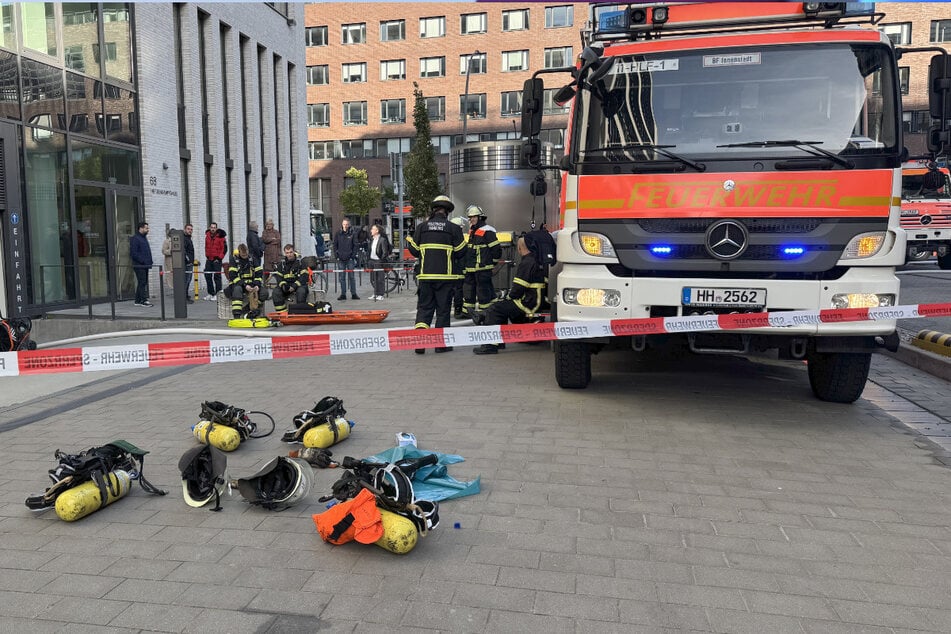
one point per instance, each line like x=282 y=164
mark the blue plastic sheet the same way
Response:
x=432 y=482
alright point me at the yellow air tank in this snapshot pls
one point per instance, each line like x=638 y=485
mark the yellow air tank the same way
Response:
x=221 y=436
x=399 y=533
x=84 y=499
x=322 y=436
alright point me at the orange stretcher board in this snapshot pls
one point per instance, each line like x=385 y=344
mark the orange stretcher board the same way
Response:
x=337 y=317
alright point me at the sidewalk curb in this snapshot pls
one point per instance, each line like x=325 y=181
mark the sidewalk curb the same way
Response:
x=934 y=364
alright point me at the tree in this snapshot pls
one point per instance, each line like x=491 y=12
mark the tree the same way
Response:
x=358 y=199
x=420 y=175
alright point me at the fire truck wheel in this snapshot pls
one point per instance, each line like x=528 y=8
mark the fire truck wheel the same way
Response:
x=572 y=364
x=838 y=377
x=944 y=261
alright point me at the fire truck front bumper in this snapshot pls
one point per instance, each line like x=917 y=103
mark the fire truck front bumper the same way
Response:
x=593 y=292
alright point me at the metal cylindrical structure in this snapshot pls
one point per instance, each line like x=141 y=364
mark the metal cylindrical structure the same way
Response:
x=494 y=176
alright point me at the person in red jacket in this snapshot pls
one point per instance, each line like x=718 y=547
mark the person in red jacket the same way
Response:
x=215 y=248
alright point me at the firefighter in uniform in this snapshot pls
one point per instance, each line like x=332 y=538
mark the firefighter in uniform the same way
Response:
x=291 y=280
x=247 y=286
x=525 y=297
x=435 y=243
x=481 y=256
x=458 y=272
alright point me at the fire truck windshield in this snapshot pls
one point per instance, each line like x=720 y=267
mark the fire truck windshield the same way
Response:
x=722 y=103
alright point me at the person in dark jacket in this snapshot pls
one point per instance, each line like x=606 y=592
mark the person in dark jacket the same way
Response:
x=247 y=284
x=379 y=251
x=291 y=280
x=345 y=250
x=436 y=243
x=458 y=272
x=215 y=248
x=483 y=252
x=932 y=182
x=524 y=298
x=141 y=255
x=188 y=251
x=255 y=243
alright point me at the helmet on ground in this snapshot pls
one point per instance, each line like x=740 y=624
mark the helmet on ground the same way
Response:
x=474 y=210
x=203 y=475
x=458 y=220
x=444 y=202
x=279 y=484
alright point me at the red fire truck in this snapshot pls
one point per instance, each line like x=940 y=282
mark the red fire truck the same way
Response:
x=926 y=213
x=732 y=157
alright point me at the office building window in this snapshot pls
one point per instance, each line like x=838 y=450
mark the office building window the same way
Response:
x=315 y=36
x=559 y=17
x=511 y=103
x=548 y=103
x=318 y=115
x=356 y=149
x=432 y=27
x=558 y=57
x=392 y=30
x=472 y=107
x=354 y=113
x=941 y=30
x=432 y=67
x=915 y=121
x=385 y=147
x=354 y=33
x=514 y=60
x=441 y=143
x=320 y=150
x=39 y=26
x=436 y=108
x=472 y=23
x=73 y=56
x=475 y=64
x=317 y=75
x=111 y=52
x=899 y=33
x=354 y=73
x=904 y=74
x=516 y=20
x=393 y=111
x=392 y=69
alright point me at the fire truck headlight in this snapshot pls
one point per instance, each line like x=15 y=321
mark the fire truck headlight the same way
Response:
x=596 y=244
x=592 y=297
x=864 y=245
x=862 y=300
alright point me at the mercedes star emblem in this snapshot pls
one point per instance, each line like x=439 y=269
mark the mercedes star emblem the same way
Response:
x=727 y=239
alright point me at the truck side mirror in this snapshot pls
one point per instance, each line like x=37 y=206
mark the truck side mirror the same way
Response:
x=533 y=95
x=939 y=87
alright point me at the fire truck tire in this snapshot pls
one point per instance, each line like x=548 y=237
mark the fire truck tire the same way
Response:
x=944 y=261
x=572 y=364
x=838 y=377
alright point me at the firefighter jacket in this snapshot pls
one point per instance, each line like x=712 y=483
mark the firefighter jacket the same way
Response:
x=484 y=248
x=290 y=274
x=459 y=264
x=436 y=243
x=528 y=286
x=244 y=273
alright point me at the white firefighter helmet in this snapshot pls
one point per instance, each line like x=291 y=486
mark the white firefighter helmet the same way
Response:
x=203 y=474
x=279 y=484
x=458 y=220
x=474 y=210
x=443 y=202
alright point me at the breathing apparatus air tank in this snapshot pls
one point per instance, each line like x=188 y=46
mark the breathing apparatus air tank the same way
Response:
x=323 y=435
x=399 y=533
x=221 y=436
x=82 y=500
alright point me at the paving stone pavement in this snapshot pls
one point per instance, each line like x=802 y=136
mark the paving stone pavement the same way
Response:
x=675 y=494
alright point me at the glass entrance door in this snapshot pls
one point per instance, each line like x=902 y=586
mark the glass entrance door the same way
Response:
x=92 y=233
x=124 y=210
x=105 y=220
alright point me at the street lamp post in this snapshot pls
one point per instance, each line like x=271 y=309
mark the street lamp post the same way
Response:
x=465 y=100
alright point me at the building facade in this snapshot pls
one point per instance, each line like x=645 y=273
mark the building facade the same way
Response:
x=469 y=60
x=112 y=114
x=916 y=25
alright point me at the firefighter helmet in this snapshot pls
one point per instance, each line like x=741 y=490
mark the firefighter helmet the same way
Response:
x=458 y=220
x=279 y=484
x=443 y=202
x=203 y=475
x=474 y=210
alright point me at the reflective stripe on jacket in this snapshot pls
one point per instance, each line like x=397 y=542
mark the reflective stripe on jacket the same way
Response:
x=484 y=248
x=243 y=273
x=436 y=242
x=528 y=286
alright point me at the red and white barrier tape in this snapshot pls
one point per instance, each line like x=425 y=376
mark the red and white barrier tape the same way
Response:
x=151 y=355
